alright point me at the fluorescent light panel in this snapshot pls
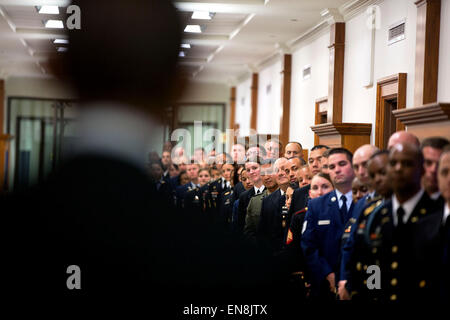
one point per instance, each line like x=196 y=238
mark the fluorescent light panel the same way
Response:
x=201 y=15
x=186 y=45
x=61 y=41
x=49 y=10
x=194 y=28
x=181 y=54
x=55 y=24
x=62 y=49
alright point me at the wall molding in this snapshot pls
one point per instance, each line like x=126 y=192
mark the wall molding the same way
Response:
x=342 y=128
x=428 y=113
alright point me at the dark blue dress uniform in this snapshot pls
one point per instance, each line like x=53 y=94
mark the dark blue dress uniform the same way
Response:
x=226 y=210
x=293 y=240
x=407 y=253
x=165 y=194
x=214 y=199
x=273 y=223
x=355 y=245
x=348 y=238
x=181 y=192
x=193 y=201
x=300 y=199
x=292 y=254
x=321 y=239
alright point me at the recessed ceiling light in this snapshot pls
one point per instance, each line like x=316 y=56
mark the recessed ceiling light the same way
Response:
x=186 y=45
x=181 y=54
x=61 y=41
x=202 y=15
x=195 y=28
x=58 y=24
x=62 y=49
x=48 y=10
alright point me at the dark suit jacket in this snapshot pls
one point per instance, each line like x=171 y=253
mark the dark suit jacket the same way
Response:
x=321 y=239
x=103 y=215
x=271 y=234
x=237 y=190
x=244 y=199
x=98 y=213
x=299 y=200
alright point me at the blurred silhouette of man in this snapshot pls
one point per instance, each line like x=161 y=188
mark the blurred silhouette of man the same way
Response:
x=100 y=210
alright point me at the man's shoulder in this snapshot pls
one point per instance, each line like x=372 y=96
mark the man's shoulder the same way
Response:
x=273 y=195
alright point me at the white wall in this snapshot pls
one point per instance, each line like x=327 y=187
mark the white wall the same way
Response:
x=38 y=88
x=196 y=91
x=305 y=92
x=444 y=53
x=359 y=103
x=243 y=106
x=269 y=100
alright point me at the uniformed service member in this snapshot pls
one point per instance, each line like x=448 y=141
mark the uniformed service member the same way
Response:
x=353 y=241
x=402 y=237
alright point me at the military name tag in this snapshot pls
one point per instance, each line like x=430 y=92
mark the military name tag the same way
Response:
x=323 y=222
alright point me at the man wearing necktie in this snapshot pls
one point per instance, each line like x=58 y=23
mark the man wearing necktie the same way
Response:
x=324 y=225
x=403 y=236
x=273 y=226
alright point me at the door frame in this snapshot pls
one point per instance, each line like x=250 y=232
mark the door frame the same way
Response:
x=390 y=87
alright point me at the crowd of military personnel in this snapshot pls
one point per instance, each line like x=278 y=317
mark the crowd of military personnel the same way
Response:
x=368 y=226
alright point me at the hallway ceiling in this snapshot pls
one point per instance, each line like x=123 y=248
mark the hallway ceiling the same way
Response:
x=241 y=37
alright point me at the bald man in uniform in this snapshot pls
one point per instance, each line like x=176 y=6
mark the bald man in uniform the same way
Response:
x=402 y=137
x=360 y=160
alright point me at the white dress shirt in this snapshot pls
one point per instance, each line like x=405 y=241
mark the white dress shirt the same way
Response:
x=435 y=195
x=408 y=206
x=446 y=212
x=259 y=190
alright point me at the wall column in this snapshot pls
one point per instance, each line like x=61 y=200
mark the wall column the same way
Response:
x=336 y=73
x=286 y=99
x=232 y=124
x=254 y=102
x=427 y=51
